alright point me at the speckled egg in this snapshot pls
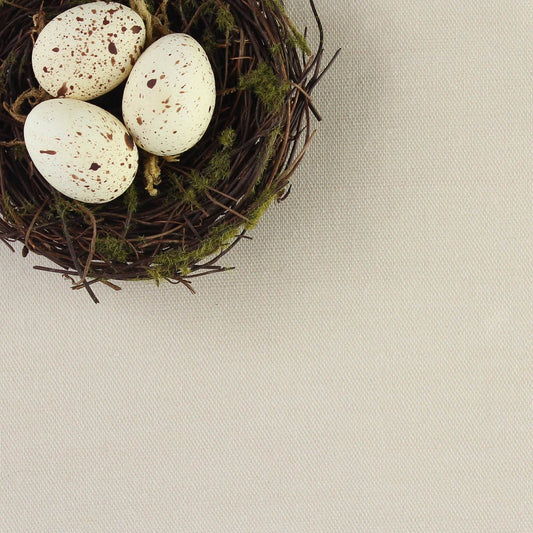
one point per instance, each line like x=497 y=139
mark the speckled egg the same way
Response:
x=80 y=149
x=170 y=95
x=88 y=50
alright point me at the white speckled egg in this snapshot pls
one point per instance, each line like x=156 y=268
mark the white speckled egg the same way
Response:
x=170 y=95
x=88 y=50
x=81 y=150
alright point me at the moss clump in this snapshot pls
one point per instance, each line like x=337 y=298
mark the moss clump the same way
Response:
x=131 y=198
x=262 y=204
x=297 y=40
x=227 y=138
x=170 y=264
x=219 y=166
x=62 y=206
x=112 y=249
x=177 y=263
x=9 y=62
x=28 y=208
x=272 y=138
x=209 y=42
x=8 y=208
x=190 y=198
x=275 y=50
x=20 y=152
x=225 y=20
x=271 y=91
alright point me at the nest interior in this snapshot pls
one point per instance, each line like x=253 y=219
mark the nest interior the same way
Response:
x=178 y=217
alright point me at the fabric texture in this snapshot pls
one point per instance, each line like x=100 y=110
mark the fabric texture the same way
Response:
x=368 y=365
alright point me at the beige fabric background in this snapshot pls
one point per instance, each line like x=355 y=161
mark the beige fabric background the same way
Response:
x=367 y=367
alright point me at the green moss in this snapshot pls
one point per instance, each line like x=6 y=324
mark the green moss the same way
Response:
x=276 y=3
x=63 y=206
x=227 y=138
x=9 y=62
x=267 y=153
x=9 y=210
x=28 y=208
x=262 y=204
x=209 y=41
x=20 y=152
x=169 y=264
x=112 y=249
x=270 y=146
x=131 y=198
x=199 y=182
x=270 y=90
x=190 y=198
x=224 y=18
x=275 y=50
x=297 y=40
x=173 y=263
x=219 y=166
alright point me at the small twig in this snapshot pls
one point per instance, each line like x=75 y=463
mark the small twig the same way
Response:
x=92 y=248
x=12 y=144
x=74 y=258
x=56 y=270
x=229 y=209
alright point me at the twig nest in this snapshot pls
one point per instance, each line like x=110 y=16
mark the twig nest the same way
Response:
x=180 y=214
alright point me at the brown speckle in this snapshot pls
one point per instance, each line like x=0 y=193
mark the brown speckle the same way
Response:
x=95 y=166
x=151 y=83
x=112 y=48
x=129 y=141
x=48 y=152
x=136 y=29
x=80 y=19
x=45 y=69
x=105 y=22
x=139 y=120
x=56 y=49
x=63 y=90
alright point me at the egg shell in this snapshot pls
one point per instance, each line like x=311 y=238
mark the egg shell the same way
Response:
x=80 y=149
x=88 y=50
x=170 y=95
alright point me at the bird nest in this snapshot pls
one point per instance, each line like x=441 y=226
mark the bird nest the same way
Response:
x=178 y=218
